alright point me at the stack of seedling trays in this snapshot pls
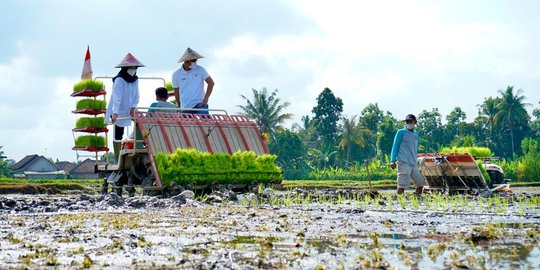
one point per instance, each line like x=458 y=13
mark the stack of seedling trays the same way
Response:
x=93 y=124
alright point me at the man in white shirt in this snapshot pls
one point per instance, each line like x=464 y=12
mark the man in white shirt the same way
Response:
x=188 y=83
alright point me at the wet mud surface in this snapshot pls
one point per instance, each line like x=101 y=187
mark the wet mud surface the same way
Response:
x=296 y=229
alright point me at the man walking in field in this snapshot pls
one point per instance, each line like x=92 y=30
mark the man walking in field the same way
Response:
x=403 y=156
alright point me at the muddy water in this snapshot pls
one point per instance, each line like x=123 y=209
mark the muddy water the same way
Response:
x=281 y=230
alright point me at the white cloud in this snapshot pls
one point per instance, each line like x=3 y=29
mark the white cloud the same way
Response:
x=405 y=56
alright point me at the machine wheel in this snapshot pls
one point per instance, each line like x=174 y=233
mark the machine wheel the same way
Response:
x=131 y=191
x=141 y=172
x=104 y=186
x=118 y=190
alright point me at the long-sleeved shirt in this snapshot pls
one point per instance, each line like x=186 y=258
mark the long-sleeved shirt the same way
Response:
x=405 y=147
x=124 y=97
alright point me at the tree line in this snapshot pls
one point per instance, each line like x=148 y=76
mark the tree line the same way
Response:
x=327 y=138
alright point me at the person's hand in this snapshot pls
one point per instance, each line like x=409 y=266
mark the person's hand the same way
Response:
x=131 y=111
x=392 y=165
x=113 y=117
x=200 y=104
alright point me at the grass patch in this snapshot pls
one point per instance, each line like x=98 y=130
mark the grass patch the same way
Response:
x=380 y=184
x=44 y=186
x=11 y=181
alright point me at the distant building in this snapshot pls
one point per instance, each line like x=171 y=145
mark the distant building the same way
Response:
x=39 y=167
x=85 y=170
x=65 y=166
x=36 y=167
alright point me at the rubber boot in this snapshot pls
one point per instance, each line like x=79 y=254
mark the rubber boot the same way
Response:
x=116 y=147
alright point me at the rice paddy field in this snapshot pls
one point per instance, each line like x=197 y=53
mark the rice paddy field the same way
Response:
x=293 y=228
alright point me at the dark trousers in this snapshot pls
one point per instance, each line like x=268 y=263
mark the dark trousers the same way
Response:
x=118 y=132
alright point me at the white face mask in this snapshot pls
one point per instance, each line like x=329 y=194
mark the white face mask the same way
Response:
x=193 y=65
x=410 y=126
x=132 y=71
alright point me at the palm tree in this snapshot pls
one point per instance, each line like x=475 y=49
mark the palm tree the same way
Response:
x=353 y=133
x=511 y=110
x=266 y=110
x=489 y=109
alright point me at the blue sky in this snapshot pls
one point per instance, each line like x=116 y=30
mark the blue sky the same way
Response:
x=406 y=56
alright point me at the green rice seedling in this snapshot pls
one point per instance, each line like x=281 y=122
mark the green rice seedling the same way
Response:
x=504 y=205
x=401 y=199
x=438 y=201
x=489 y=204
x=93 y=122
x=90 y=140
x=87 y=262
x=260 y=189
x=377 y=201
x=340 y=199
x=287 y=200
x=428 y=200
x=89 y=84
x=454 y=204
x=375 y=239
x=367 y=199
x=484 y=232
x=390 y=202
x=307 y=199
x=483 y=170
x=434 y=251
x=12 y=239
x=202 y=198
x=415 y=203
x=89 y=103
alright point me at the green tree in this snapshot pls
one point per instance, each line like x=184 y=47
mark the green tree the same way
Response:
x=306 y=130
x=291 y=154
x=455 y=125
x=327 y=114
x=370 y=117
x=529 y=167
x=352 y=134
x=5 y=171
x=266 y=110
x=511 y=112
x=535 y=123
x=385 y=137
x=489 y=110
x=430 y=127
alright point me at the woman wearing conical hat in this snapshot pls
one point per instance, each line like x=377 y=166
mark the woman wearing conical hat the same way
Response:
x=188 y=83
x=124 y=98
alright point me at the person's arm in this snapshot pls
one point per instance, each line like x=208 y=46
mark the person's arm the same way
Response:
x=116 y=99
x=209 y=88
x=135 y=100
x=176 y=88
x=177 y=96
x=395 y=148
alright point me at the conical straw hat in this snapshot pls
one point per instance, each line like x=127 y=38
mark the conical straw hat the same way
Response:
x=189 y=54
x=129 y=61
